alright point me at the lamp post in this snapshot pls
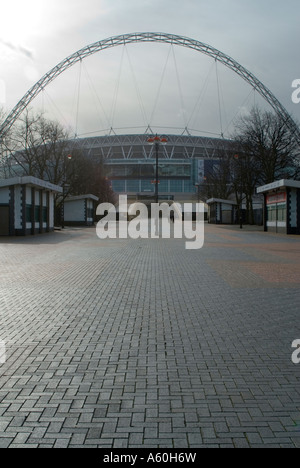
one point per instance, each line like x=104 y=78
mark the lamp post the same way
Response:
x=198 y=185
x=237 y=157
x=198 y=191
x=157 y=141
x=68 y=157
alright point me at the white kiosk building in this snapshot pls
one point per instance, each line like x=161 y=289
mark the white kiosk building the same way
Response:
x=281 y=206
x=26 y=206
x=80 y=210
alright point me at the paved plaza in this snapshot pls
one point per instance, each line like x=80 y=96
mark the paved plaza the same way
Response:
x=141 y=343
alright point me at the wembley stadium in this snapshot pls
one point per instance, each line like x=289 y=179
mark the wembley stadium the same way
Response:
x=129 y=160
x=130 y=163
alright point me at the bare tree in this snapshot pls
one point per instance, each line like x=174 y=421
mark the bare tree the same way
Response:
x=84 y=175
x=23 y=145
x=218 y=180
x=38 y=147
x=4 y=149
x=244 y=181
x=41 y=148
x=87 y=175
x=266 y=150
x=269 y=145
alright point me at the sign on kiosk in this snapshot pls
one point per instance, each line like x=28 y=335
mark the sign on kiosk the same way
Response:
x=276 y=198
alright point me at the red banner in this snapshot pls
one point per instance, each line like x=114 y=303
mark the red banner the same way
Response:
x=276 y=198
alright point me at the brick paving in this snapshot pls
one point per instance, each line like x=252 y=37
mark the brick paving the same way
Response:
x=124 y=343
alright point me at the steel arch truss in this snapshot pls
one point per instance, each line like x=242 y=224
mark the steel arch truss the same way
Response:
x=149 y=37
x=134 y=147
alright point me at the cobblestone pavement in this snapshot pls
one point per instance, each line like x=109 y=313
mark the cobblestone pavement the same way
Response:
x=124 y=343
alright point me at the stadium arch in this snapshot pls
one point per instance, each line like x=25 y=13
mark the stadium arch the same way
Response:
x=149 y=37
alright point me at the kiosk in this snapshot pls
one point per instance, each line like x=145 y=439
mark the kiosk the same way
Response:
x=26 y=206
x=80 y=210
x=281 y=206
x=222 y=211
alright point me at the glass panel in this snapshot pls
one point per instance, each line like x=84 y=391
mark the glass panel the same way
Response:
x=176 y=186
x=133 y=186
x=45 y=214
x=37 y=214
x=147 y=186
x=118 y=185
x=28 y=213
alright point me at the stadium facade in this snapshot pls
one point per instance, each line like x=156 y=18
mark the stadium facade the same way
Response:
x=130 y=164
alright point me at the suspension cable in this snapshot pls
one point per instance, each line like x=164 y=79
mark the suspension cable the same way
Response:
x=219 y=99
x=137 y=89
x=116 y=94
x=98 y=100
x=239 y=108
x=180 y=89
x=160 y=85
x=200 y=98
x=56 y=108
x=78 y=99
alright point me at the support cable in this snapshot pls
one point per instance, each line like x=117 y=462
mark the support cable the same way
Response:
x=201 y=95
x=180 y=90
x=78 y=99
x=149 y=37
x=137 y=89
x=219 y=100
x=239 y=109
x=116 y=93
x=160 y=85
x=56 y=109
x=98 y=102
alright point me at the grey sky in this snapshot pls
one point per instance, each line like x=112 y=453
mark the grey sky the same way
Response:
x=262 y=35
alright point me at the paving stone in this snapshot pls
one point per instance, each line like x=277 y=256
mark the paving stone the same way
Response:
x=144 y=344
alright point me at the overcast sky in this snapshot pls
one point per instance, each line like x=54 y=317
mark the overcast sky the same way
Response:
x=35 y=35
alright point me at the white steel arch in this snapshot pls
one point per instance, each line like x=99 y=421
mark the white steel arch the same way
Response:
x=149 y=37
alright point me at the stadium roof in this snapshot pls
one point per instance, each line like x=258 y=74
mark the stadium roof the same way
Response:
x=136 y=146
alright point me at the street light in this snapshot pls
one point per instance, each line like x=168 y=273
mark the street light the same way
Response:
x=68 y=157
x=198 y=185
x=157 y=141
x=237 y=157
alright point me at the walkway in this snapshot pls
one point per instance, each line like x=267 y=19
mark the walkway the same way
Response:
x=144 y=344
